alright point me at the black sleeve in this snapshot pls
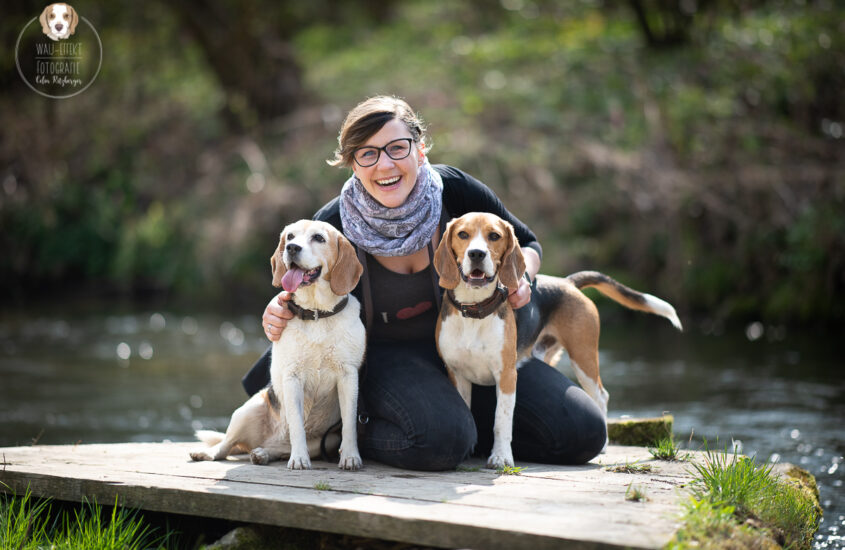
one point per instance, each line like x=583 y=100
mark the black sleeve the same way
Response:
x=330 y=213
x=463 y=193
x=258 y=376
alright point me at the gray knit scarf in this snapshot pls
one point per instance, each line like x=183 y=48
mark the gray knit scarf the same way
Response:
x=399 y=231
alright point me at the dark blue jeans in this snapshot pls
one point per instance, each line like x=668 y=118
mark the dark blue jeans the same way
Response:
x=418 y=421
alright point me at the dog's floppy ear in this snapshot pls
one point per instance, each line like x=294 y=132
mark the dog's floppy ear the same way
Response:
x=347 y=270
x=513 y=264
x=45 y=25
x=74 y=20
x=444 y=260
x=277 y=263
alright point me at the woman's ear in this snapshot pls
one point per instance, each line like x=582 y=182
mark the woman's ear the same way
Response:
x=513 y=263
x=444 y=260
x=347 y=270
x=277 y=263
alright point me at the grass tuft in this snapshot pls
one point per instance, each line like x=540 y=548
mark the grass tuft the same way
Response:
x=510 y=470
x=322 y=486
x=29 y=524
x=667 y=449
x=630 y=468
x=737 y=503
x=635 y=493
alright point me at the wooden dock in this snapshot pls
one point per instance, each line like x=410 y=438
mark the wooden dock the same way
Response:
x=542 y=507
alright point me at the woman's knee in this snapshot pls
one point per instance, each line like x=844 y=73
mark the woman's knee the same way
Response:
x=433 y=443
x=555 y=420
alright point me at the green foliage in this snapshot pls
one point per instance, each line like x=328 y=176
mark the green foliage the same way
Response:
x=635 y=493
x=631 y=468
x=667 y=449
x=737 y=503
x=708 y=171
x=27 y=524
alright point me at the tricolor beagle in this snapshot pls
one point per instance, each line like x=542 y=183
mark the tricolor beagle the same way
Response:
x=314 y=367
x=478 y=260
x=58 y=21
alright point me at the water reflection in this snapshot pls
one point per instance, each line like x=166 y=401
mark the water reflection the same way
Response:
x=157 y=375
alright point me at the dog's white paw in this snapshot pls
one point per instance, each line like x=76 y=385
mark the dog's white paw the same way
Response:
x=299 y=462
x=259 y=456
x=350 y=462
x=500 y=460
x=200 y=455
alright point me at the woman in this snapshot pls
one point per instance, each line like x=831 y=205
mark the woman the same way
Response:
x=393 y=209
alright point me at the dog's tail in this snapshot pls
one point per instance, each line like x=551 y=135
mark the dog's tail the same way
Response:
x=209 y=437
x=628 y=297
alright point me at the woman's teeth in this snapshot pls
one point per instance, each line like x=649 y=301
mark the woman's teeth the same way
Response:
x=388 y=181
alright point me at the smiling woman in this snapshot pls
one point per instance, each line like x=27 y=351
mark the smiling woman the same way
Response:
x=394 y=208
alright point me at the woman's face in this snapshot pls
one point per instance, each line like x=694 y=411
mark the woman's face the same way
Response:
x=390 y=181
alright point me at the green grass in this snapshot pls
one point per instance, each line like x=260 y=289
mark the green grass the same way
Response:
x=509 y=470
x=322 y=486
x=667 y=449
x=635 y=493
x=738 y=504
x=631 y=468
x=29 y=524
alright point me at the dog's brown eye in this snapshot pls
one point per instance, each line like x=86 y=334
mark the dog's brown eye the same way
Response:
x=494 y=236
x=318 y=239
x=463 y=235
x=291 y=236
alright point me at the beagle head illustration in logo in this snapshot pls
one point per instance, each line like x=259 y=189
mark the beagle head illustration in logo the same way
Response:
x=58 y=21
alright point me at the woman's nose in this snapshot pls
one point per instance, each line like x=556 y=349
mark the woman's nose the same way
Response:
x=385 y=161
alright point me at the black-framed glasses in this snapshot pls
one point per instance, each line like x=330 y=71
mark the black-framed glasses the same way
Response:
x=397 y=149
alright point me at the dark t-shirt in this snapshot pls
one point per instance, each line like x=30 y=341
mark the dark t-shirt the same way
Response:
x=405 y=306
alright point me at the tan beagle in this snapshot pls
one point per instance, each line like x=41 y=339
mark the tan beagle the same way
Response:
x=478 y=260
x=58 y=21
x=315 y=363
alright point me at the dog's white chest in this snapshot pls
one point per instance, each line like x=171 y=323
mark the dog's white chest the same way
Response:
x=473 y=347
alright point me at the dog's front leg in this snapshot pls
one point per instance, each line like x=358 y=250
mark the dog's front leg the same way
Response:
x=295 y=415
x=502 y=455
x=347 y=393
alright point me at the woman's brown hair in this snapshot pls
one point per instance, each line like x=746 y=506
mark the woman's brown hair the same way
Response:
x=367 y=118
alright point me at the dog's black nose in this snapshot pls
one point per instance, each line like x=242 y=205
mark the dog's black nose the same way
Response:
x=293 y=249
x=476 y=255
x=58 y=26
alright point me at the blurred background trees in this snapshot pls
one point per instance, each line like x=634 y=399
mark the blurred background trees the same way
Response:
x=692 y=148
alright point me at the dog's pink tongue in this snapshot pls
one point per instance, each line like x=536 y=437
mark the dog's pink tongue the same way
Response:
x=292 y=279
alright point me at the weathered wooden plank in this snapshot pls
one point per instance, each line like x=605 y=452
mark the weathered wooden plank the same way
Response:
x=542 y=508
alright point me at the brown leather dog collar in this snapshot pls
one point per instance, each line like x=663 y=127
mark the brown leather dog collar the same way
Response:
x=314 y=314
x=480 y=310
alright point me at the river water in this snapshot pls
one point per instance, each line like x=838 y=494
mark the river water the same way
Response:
x=92 y=377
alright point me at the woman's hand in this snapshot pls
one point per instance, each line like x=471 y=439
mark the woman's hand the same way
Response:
x=521 y=295
x=276 y=316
